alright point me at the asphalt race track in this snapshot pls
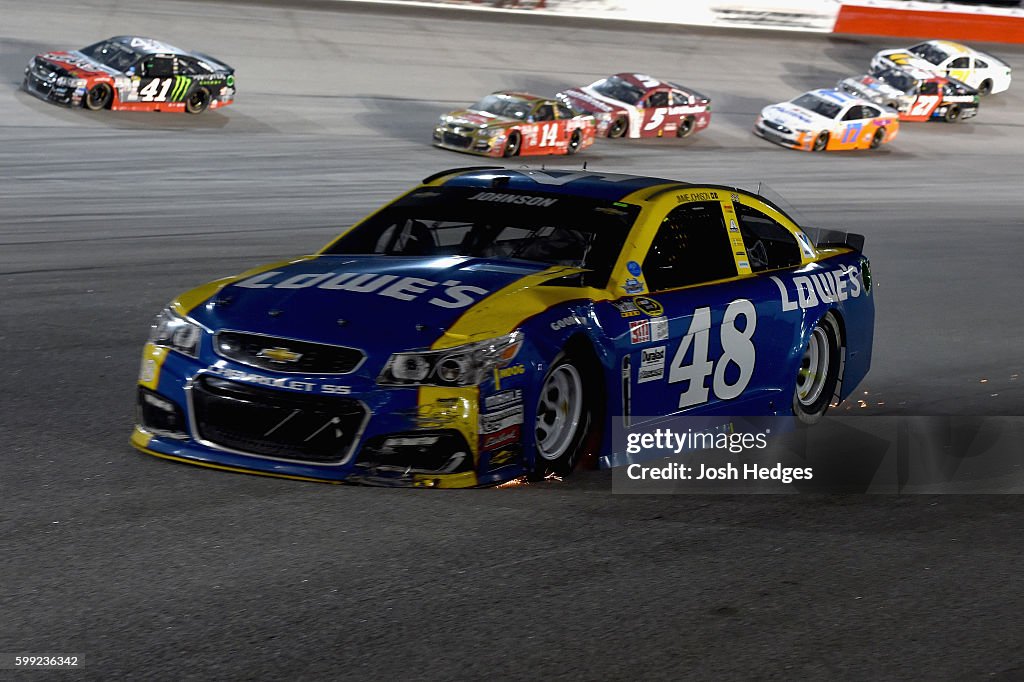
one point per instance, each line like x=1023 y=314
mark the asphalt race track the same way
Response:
x=147 y=569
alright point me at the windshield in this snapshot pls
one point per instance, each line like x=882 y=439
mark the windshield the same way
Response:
x=817 y=105
x=117 y=57
x=929 y=53
x=502 y=224
x=503 y=106
x=616 y=88
x=898 y=79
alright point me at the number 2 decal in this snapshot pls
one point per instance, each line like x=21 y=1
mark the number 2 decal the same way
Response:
x=924 y=105
x=737 y=349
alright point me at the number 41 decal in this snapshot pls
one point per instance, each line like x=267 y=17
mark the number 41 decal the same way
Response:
x=737 y=349
x=158 y=88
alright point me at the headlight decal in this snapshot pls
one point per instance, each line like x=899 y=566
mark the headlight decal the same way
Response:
x=465 y=365
x=170 y=330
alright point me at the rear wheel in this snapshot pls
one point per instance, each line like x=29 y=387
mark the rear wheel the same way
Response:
x=685 y=127
x=512 y=146
x=877 y=138
x=574 y=143
x=985 y=88
x=99 y=97
x=820 y=142
x=818 y=373
x=952 y=114
x=198 y=101
x=618 y=128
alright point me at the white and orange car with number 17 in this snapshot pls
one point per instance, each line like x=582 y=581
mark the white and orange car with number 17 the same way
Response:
x=827 y=120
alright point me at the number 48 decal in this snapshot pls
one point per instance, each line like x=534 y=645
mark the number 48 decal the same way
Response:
x=737 y=349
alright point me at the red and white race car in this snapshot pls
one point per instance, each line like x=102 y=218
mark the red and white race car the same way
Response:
x=515 y=124
x=635 y=105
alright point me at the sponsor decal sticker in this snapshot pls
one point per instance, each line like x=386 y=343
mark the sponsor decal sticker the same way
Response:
x=626 y=308
x=498 y=421
x=652 y=365
x=639 y=331
x=503 y=399
x=633 y=286
x=659 y=328
x=634 y=268
x=498 y=439
x=649 y=306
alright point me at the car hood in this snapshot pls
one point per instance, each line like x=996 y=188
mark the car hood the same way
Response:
x=75 y=64
x=384 y=303
x=471 y=118
x=793 y=117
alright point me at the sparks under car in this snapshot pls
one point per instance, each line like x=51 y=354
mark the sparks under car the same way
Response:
x=827 y=120
x=131 y=73
x=492 y=323
x=635 y=105
x=515 y=124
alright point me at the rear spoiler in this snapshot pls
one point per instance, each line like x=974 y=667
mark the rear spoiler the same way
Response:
x=830 y=239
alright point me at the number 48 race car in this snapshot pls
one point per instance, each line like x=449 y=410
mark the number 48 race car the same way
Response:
x=492 y=323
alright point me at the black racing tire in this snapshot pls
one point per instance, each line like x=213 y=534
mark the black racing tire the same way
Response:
x=877 y=138
x=820 y=142
x=818 y=374
x=563 y=416
x=952 y=114
x=985 y=88
x=574 y=143
x=618 y=127
x=198 y=101
x=513 y=144
x=686 y=126
x=98 y=97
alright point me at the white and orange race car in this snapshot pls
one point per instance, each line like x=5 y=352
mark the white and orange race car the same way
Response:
x=827 y=120
x=979 y=70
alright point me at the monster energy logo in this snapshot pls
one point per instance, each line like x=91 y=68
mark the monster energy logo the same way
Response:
x=181 y=86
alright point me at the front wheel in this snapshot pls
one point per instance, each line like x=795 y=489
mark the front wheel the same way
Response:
x=877 y=138
x=820 y=142
x=512 y=146
x=818 y=373
x=198 y=101
x=561 y=420
x=574 y=143
x=685 y=127
x=99 y=97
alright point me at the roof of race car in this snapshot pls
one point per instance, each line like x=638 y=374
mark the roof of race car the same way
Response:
x=581 y=183
x=955 y=48
x=836 y=96
x=525 y=96
x=142 y=45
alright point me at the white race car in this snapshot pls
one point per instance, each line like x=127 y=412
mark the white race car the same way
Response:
x=830 y=120
x=979 y=70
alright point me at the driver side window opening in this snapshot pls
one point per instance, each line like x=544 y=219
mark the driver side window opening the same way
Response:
x=544 y=112
x=692 y=246
x=157 y=67
x=769 y=245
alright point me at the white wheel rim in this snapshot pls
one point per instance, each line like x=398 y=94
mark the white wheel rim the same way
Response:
x=559 y=409
x=814 y=366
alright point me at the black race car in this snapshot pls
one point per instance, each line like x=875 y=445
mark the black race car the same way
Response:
x=131 y=73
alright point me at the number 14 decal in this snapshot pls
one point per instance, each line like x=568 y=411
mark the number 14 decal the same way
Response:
x=737 y=349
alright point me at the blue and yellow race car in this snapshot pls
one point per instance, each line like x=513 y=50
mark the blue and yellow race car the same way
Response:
x=494 y=323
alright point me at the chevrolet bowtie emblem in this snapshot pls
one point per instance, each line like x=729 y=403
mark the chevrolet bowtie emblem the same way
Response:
x=279 y=355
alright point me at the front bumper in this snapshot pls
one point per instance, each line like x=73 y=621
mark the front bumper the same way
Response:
x=42 y=83
x=333 y=429
x=791 y=139
x=469 y=141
